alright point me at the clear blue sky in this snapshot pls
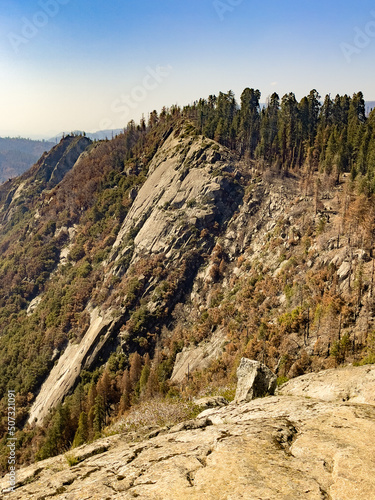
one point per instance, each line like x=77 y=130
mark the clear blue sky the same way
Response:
x=90 y=64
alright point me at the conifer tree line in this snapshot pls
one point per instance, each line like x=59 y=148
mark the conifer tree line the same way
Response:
x=334 y=135
x=83 y=415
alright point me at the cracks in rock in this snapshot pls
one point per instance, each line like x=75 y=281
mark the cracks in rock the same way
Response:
x=110 y=486
x=190 y=475
x=167 y=457
x=67 y=482
x=190 y=478
x=325 y=494
x=135 y=454
x=328 y=465
x=88 y=473
x=191 y=425
x=58 y=491
x=223 y=435
x=203 y=459
x=284 y=436
x=132 y=481
x=29 y=479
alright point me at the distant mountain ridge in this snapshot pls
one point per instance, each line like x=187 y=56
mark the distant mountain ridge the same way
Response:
x=100 y=135
x=17 y=155
x=370 y=105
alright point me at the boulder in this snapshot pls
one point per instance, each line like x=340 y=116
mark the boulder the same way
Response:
x=254 y=380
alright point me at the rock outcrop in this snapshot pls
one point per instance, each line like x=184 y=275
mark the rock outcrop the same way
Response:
x=254 y=380
x=65 y=372
x=349 y=383
x=60 y=160
x=187 y=190
x=190 y=188
x=198 y=357
x=46 y=173
x=278 y=447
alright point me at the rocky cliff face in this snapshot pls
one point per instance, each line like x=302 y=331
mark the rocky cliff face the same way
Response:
x=190 y=193
x=314 y=440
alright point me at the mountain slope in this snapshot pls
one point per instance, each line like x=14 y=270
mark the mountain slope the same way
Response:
x=149 y=264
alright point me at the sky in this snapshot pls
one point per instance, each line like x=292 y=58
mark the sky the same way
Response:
x=92 y=64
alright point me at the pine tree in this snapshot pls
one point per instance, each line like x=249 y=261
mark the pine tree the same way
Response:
x=59 y=435
x=90 y=405
x=268 y=146
x=126 y=388
x=153 y=385
x=144 y=374
x=82 y=434
x=289 y=130
x=249 y=124
x=104 y=388
x=99 y=416
x=135 y=372
x=313 y=109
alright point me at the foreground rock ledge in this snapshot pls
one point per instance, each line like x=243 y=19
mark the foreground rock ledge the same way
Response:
x=278 y=447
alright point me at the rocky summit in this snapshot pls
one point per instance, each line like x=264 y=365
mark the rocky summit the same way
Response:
x=314 y=440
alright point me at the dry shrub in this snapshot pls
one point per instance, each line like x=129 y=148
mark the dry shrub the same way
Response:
x=214 y=272
x=157 y=412
x=301 y=366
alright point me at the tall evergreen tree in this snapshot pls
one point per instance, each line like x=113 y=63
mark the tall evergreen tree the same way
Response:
x=268 y=144
x=289 y=130
x=99 y=415
x=81 y=436
x=249 y=123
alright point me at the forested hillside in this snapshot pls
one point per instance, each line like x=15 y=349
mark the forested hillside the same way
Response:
x=18 y=155
x=221 y=227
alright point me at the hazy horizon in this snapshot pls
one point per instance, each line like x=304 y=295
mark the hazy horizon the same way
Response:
x=91 y=65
